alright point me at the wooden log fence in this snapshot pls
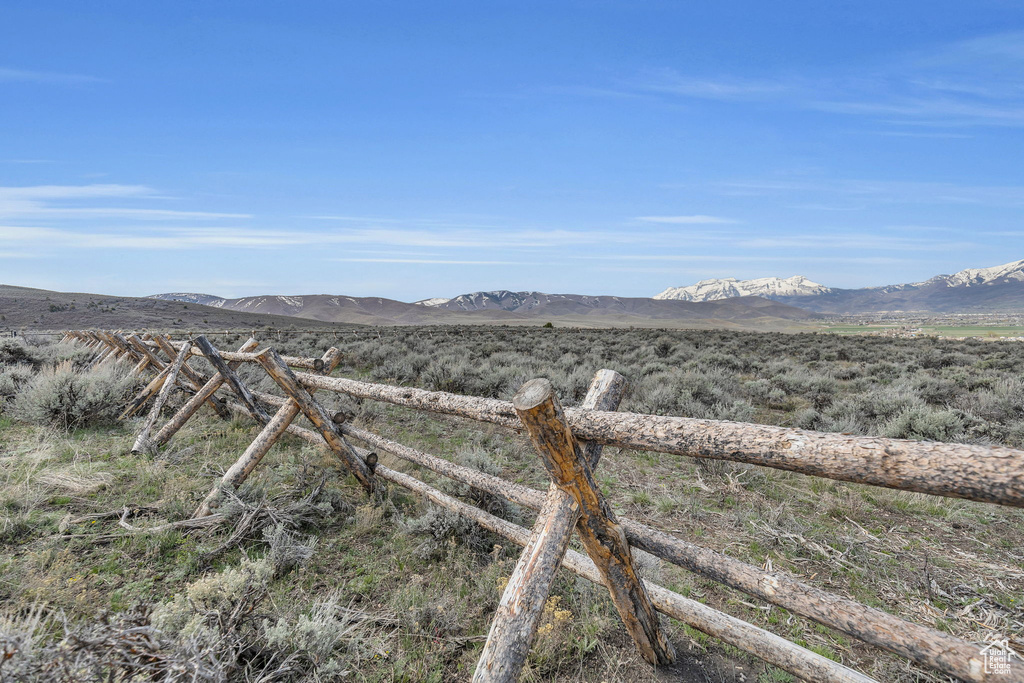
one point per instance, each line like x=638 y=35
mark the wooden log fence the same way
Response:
x=142 y=443
x=569 y=443
x=522 y=602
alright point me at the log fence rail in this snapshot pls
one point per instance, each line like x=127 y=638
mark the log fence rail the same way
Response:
x=569 y=442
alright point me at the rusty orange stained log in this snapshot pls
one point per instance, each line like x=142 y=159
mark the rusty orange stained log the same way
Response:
x=262 y=444
x=285 y=378
x=522 y=603
x=194 y=403
x=244 y=395
x=605 y=543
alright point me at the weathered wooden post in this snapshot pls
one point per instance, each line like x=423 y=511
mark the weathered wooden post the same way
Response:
x=602 y=537
x=522 y=603
x=194 y=403
x=126 y=349
x=146 y=393
x=147 y=356
x=285 y=378
x=106 y=353
x=120 y=352
x=142 y=442
x=244 y=395
x=261 y=445
x=194 y=378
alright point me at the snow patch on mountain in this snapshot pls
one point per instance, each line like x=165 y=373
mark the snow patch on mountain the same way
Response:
x=436 y=301
x=192 y=298
x=727 y=288
x=971 y=277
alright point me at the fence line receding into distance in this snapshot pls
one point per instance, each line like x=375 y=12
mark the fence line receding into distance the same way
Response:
x=569 y=443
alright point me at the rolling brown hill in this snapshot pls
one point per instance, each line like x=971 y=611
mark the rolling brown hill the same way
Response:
x=24 y=308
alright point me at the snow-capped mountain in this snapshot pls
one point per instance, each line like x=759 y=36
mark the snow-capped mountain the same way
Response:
x=972 y=277
x=190 y=298
x=997 y=288
x=503 y=306
x=502 y=299
x=729 y=287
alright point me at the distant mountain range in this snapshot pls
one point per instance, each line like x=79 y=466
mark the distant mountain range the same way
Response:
x=726 y=288
x=974 y=290
x=505 y=307
x=762 y=304
x=770 y=300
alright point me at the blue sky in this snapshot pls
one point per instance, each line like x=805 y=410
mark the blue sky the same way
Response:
x=410 y=150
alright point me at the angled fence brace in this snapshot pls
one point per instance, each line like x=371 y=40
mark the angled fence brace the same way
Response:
x=602 y=537
x=154 y=386
x=148 y=359
x=224 y=370
x=121 y=352
x=146 y=393
x=89 y=341
x=276 y=368
x=194 y=403
x=522 y=603
x=924 y=645
x=105 y=353
x=142 y=442
x=128 y=352
x=196 y=379
x=262 y=444
x=193 y=378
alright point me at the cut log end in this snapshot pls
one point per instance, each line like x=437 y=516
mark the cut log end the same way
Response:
x=318 y=365
x=532 y=394
x=371 y=462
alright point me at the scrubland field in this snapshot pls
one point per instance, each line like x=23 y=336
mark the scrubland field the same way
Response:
x=311 y=580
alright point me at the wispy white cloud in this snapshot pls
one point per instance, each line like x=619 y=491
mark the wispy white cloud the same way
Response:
x=975 y=82
x=671 y=82
x=118 y=212
x=917 y=134
x=734 y=258
x=930 y=111
x=39 y=192
x=685 y=220
x=439 y=261
x=29 y=76
x=868 y=242
x=41 y=202
x=874 y=191
x=475 y=239
x=198 y=237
